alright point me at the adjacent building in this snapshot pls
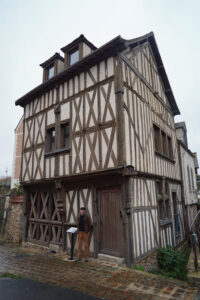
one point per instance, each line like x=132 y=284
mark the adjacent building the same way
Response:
x=189 y=167
x=17 y=155
x=99 y=132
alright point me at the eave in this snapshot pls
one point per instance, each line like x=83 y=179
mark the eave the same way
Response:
x=111 y=48
x=51 y=60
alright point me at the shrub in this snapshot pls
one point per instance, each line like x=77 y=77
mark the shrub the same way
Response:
x=173 y=263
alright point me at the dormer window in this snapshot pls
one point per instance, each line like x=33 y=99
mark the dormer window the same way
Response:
x=51 y=72
x=52 y=66
x=73 y=57
x=76 y=50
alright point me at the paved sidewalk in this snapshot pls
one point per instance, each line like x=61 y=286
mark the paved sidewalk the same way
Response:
x=101 y=280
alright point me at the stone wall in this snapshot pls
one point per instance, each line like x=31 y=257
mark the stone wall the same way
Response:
x=2 y=204
x=14 y=224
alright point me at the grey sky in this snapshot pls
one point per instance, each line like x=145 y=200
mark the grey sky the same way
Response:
x=33 y=30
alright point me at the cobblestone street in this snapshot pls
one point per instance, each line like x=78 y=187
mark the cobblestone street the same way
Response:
x=102 y=280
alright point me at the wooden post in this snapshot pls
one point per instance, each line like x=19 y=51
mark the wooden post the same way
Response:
x=119 y=91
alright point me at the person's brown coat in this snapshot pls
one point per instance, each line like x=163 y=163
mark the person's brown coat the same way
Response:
x=87 y=223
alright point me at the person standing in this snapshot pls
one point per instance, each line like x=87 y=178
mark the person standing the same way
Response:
x=84 y=227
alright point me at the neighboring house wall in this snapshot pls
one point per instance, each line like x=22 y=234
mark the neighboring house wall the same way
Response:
x=189 y=184
x=17 y=156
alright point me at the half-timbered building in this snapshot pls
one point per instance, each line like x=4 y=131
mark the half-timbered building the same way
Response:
x=99 y=132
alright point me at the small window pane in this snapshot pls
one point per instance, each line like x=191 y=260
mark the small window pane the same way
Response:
x=167 y=208
x=156 y=131
x=170 y=147
x=164 y=145
x=53 y=140
x=65 y=136
x=159 y=187
x=51 y=72
x=161 y=209
x=74 y=57
x=50 y=140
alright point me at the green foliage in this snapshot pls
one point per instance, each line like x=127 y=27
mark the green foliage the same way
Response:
x=139 y=268
x=18 y=189
x=173 y=263
x=154 y=271
x=9 y=275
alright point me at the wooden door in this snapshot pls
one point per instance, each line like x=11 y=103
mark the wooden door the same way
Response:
x=110 y=226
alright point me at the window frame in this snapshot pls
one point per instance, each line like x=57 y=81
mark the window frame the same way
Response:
x=176 y=215
x=162 y=144
x=163 y=197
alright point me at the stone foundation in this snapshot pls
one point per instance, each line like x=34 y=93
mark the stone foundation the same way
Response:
x=149 y=262
x=14 y=224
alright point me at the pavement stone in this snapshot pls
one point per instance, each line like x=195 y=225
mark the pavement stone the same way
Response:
x=96 y=278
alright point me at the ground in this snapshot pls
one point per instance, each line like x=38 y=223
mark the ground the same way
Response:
x=93 y=278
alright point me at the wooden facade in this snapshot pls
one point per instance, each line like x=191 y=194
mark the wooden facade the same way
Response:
x=111 y=99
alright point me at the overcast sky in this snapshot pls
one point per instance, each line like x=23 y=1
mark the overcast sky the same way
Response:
x=33 y=30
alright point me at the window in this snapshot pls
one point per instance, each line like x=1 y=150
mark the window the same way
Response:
x=176 y=215
x=156 y=131
x=162 y=143
x=50 y=72
x=192 y=178
x=50 y=140
x=64 y=136
x=170 y=151
x=162 y=189
x=189 y=180
x=73 y=57
x=167 y=201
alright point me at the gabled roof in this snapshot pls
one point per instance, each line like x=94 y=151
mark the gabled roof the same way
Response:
x=151 y=39
x=51 y=60
x=113 y=47
x=81 y=38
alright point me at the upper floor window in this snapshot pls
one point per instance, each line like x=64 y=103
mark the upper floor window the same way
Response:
x=176 y=214
x=50 y=73
x=162 y=142
x=64 y=136
x=73 y=57
x=50 y=146
x=163 y=200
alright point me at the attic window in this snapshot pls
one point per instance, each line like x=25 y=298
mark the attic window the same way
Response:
x=51 y=72
x=73 y=57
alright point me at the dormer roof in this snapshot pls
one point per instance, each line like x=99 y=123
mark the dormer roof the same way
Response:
x=75 y=42
x=113 y=47
x=51 y=60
